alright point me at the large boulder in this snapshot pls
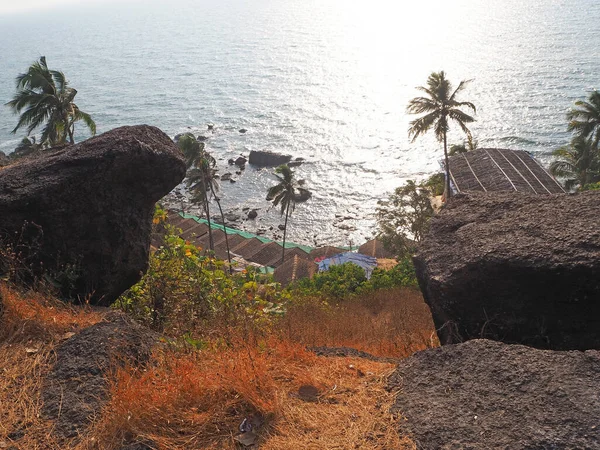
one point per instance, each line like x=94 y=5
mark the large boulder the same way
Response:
x=267 y=159
x=84 y=212
x=515 y=268
x=78 y=385
x=485 y=394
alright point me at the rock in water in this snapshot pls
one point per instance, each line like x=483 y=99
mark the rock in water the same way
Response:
x=87 y=209
x=267 y=159
x=489 y=395
x=240 y=161
x=515 y=268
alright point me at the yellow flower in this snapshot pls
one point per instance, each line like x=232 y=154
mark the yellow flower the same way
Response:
x=188 y=252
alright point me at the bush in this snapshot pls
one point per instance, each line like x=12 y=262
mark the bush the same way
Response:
x=184 y=292
x=347 y=280
x=403 y=219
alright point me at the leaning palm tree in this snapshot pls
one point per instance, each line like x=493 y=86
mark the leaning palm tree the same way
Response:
x=584 y=118
x=284 y=193
x=440 y=107
x=578 y=163
x=202 y=181
x=44 y=97
x=197 y=162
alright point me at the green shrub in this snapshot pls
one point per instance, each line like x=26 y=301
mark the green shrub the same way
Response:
x=347 y=280
x=184 y=291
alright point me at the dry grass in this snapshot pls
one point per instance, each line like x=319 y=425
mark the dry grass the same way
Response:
x=188 y=399
x=197 y=401
x=31 y=325
x=394 y=323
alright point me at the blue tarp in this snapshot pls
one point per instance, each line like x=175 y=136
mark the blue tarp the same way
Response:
x=367 y=263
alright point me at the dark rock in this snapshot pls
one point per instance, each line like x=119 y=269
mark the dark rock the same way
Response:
x=243 y=130
x=240 y=161
x=202 y=138
x=232 y=217
x=238 y=172
x=516 y=268
x=267 y=159
x=210 y=126
x=303 y=195
x=484 y=394
x=226 y=176
x=253 y=214
x=87 y=209
x=281 y=227
x=177 y=137
x=245 y=209
x=77 y=387
x=4 y=160
x=295 y=163
x=231 y=161
x=231 y=180
x=308 y=393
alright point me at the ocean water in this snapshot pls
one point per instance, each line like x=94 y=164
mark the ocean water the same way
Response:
x=325 y=80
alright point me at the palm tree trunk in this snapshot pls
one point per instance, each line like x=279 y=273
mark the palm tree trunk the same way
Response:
x=211 y=244
x=287 y=212
x=448 y=192
x=223 y=220
x=70 y=130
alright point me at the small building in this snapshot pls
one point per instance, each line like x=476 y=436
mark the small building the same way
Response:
x=495 y=170
x=375 y=248
x=294 y=269
x=366 y=263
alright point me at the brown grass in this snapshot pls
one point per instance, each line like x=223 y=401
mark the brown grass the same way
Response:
x=394 y=323
x=30 y=327
x=188 y=399
x=197 y=401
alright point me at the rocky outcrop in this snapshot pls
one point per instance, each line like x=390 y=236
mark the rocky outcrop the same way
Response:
x=267 y=159
x=302 y=195
x=83 y=213
x=484 y=394
x=515 y=268
x=77 y=387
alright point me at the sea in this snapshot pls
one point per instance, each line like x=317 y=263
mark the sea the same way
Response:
x=326 y=80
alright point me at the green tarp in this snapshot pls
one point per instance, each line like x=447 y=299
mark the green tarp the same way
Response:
x=216 y=226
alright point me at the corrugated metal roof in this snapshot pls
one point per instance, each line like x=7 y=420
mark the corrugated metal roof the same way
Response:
x=495 y=169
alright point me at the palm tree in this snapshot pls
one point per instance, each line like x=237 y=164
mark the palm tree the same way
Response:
x=202 y=181
x=44 y=97
x=194 y=154
x=578 y=163
x=285 y=193
x=467 y=146
x=584 y=118
x=440 y=107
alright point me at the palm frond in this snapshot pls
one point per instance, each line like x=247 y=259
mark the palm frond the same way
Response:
x=422 y=125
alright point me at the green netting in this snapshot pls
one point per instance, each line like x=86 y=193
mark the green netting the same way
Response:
x=245 y=234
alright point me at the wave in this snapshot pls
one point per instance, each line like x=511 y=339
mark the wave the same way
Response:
x=517 y=140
